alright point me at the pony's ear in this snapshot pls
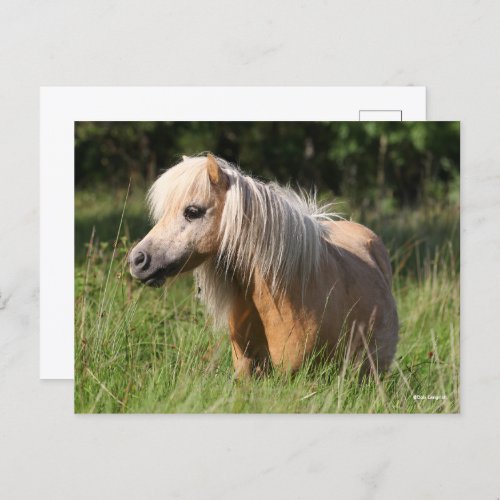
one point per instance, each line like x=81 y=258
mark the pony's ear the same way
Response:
x=215 y=173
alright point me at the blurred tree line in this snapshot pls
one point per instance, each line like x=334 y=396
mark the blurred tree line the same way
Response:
x=404 y=162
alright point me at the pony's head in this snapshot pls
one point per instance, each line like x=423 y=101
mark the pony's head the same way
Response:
x=209 y=215
x=186 y=205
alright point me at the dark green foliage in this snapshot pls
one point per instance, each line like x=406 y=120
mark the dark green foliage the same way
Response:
x=400 y=161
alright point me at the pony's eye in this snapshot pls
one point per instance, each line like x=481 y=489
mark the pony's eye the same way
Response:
x=192 y=212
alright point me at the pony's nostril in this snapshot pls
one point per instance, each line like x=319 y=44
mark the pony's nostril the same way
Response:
x=141 y=260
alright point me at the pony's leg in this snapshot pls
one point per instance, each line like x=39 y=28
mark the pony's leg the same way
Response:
x=249 y=345
x=243 y=365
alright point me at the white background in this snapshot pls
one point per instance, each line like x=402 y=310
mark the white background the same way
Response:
x=451 y=48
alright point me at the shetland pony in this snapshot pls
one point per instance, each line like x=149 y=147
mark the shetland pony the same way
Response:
x=272 y=265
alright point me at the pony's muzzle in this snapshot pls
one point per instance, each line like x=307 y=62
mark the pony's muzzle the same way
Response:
x=141 y=260
x=141 y=265
x=150 y=268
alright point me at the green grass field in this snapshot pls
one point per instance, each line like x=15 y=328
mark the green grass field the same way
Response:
x=143 y=350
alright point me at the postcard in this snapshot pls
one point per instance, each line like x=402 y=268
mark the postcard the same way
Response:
x=62 y=107
x=272 y=267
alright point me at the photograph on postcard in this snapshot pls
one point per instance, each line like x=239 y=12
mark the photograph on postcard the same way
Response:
x=267 y=267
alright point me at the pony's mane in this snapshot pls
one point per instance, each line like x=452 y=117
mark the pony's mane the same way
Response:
x=265 y=228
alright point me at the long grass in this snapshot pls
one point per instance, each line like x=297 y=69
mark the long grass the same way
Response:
x=142 y=350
